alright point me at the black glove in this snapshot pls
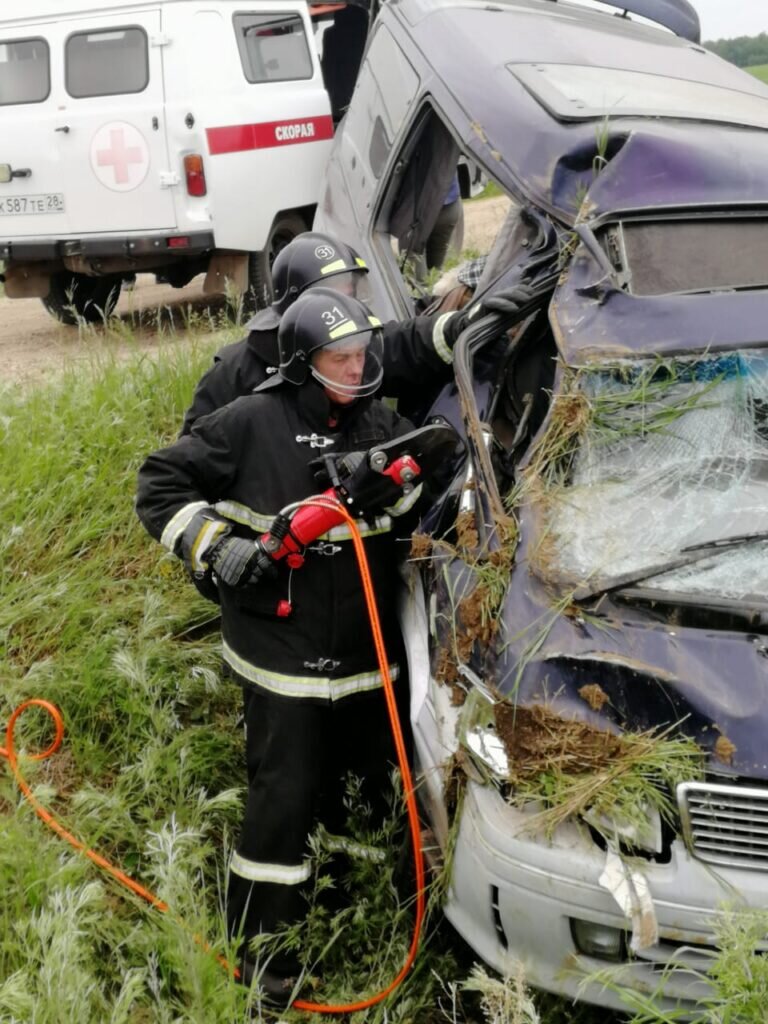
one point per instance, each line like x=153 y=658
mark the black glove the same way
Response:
x=238 y=561
x=206 y=544
x=365 y=489
x=507 y=301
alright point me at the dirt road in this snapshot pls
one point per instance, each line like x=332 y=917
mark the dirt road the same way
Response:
x=33 y=345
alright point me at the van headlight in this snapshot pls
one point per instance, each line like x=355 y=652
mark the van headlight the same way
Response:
x=481 y=740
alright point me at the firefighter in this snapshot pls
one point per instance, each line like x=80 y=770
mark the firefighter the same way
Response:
x=296 y=639
x=417 y=352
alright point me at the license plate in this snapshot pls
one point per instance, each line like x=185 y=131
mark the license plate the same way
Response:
x=46 y=202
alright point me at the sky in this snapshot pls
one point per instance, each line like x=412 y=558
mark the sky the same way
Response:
x=725 y=19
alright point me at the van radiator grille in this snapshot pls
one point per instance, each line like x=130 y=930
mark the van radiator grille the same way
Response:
x=725 y=824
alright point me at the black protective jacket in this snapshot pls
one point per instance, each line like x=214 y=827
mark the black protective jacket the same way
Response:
x=417 y=362
x=249 y=460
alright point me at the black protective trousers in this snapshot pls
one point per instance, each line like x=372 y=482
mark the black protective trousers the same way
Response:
x=299 y=754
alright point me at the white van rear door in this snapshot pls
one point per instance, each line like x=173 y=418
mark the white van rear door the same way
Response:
x=114 y=153
x=262 y=117
x=32 y=200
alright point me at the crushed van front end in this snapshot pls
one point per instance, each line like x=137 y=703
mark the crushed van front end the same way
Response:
x=516 y=896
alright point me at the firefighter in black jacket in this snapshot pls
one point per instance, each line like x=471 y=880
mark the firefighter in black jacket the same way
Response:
x=418 y=353
x=298 y=640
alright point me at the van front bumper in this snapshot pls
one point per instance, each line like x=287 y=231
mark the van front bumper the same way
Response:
x=514 y=897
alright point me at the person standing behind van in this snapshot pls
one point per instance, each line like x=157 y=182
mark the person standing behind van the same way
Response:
x=436 y=249
x=343 y=46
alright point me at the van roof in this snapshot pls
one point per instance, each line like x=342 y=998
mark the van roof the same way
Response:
x=535 y=112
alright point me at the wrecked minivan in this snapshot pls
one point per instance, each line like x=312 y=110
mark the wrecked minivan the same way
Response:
x=586 y=623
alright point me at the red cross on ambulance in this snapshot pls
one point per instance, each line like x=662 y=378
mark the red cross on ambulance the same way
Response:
x=119 y=156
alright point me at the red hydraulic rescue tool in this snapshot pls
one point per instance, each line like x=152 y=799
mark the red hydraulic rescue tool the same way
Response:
x=399 y=461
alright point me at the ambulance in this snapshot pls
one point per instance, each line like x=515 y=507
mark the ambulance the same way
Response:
x=172 y=136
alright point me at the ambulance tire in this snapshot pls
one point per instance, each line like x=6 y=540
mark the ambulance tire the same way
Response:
x=284 y=229
x=77 y=297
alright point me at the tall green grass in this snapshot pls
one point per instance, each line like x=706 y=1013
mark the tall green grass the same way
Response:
x=97 y=619
x=759 y=71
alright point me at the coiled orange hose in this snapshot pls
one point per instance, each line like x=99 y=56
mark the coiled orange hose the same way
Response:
x=9 y=753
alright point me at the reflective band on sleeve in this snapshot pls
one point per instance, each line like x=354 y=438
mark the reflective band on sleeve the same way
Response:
x=178 y=524
x=361 y=262
x=260 y=523
x=319 y=687
x=207 y=536
x=279 y=874
x=406 y=502
x=438 y=338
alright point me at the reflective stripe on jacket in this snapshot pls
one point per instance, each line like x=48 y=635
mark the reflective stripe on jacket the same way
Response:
x=248 y=461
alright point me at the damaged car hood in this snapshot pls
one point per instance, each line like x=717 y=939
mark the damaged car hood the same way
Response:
x=628 y=671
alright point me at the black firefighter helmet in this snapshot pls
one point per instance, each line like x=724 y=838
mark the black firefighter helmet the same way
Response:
x=316 y=258
x=342 y=326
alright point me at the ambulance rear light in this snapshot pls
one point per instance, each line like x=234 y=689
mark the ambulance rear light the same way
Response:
x=195 y=174
x=179 y=242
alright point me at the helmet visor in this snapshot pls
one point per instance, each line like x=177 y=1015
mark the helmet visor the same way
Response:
x=350 y=282
x=350 y=367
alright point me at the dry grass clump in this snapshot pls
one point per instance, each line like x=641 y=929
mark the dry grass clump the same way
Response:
x=572 y=767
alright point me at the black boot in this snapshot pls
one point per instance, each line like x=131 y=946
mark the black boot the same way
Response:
x=276 y=986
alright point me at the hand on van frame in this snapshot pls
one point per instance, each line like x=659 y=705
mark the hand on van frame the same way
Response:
x=507 y=301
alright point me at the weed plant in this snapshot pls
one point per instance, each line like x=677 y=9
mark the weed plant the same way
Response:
x=733 y=979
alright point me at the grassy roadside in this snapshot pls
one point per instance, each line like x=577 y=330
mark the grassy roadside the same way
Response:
x=94 y=618
x=759 y=71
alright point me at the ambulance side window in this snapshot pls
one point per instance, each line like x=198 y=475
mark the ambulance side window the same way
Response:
x=25 y=75
x=273 y=47
x=106 y=63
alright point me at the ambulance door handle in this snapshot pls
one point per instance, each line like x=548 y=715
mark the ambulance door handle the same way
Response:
x=62 y=128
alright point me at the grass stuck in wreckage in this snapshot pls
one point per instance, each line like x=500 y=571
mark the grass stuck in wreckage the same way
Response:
x=95 y=618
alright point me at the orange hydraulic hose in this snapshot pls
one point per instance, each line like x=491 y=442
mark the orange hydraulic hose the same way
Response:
x=405 y=771
x=9 y=752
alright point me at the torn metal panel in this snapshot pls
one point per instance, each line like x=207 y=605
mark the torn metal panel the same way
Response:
x=630 y=890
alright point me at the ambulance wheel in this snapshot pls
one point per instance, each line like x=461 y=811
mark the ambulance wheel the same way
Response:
x=77 y=297
x=284 y=229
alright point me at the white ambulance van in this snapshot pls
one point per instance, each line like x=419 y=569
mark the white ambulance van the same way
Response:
x=169 y=136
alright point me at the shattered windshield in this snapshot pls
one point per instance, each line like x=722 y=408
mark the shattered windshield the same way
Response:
x=644 y=460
